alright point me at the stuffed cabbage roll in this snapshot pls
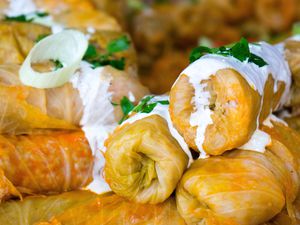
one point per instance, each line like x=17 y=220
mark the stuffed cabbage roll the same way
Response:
x=46 y=163
x=112 y=209
x=218 y=101
x=144 y=161
x=83 y=207
x=7 y=189
x=24 y=109
x=34 y=209
x=244 y=187
x=16 y=40
x=66 y=13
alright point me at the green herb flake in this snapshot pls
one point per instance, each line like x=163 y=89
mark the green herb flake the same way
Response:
x=41 y=14
x=127 y=106
x=26 y=18
x=57 y=64
x=41 y=37
x=164 y=102
x=97 y=60
x=91 y=52
x=21 y=18
x=240 y=51
x=296 y=28
x=118 y=45
x=144 y=106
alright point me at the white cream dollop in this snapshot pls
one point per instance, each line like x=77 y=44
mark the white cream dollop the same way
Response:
x=19 y=7
x=163 y=111
x=256 y=76
x=98 y=119
x=268 y=122
x=29 y=9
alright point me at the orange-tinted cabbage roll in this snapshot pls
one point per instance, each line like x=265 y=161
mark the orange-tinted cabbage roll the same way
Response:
x=46 y=163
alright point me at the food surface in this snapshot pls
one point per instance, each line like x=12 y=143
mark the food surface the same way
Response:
x=212 y=138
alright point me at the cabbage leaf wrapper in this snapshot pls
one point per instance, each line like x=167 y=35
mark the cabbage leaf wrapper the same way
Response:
x=25 y=109
x=84 y=207
x=230 y=97
x=34 y=209
x=48 y=163
x=244 y=187
x=113 y=209
x=143 y=161
x=16 y=40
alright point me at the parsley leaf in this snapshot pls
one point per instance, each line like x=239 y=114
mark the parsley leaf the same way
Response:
x=21 y=18
x=199 y=52
x=146 y=105
x=42 y=14
x=41 y=37
x=118 y=45
x=127 y=106
x=96 y=59
x=26 y=18
x=296 y=29
x=57 y=64
x=91 y=52
x=240 y=51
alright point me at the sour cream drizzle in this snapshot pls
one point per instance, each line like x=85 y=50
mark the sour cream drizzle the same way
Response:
x=29 y=9
x=98 y=119
x=256 y=76
x=163 y=111
x=18 y=7
x=272 y=117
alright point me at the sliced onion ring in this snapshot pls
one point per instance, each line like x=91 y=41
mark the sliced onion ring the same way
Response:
x=67 y=46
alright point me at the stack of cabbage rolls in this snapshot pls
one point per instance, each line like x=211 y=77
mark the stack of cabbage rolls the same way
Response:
x=214 y=141
x=211 y=151
x=46 y=141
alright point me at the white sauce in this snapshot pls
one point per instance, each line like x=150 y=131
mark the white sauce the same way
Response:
x=258 y=142
x=131 y=96
x=295 y=37
x=98 y=116
x=91 y=30
x=163 y=111
x=256 y=76
x=18 y=7
x=271 y=117
x=29 y=9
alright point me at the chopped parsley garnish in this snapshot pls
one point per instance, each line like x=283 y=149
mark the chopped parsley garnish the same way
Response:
x=144 y=106
x=21 y=18
x=118 y=45
x=240 y=51
x=26 y=18
x=296 y=28
x=136 y=5
x=41 y=37
x=96 y=59
x=57 y=64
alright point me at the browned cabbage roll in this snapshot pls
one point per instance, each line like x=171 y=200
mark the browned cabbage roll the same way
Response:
x=217 y=102
x=112 y=209
x=16 y=40
x=143 y=161
x=47 y=163
x=275 y=15
x=83 y=207
x=23 y=109
x=72 y=13
x=243 y=187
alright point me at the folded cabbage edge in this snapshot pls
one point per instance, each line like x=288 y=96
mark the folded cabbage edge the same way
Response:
x=84 y=207
x=17 y=116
